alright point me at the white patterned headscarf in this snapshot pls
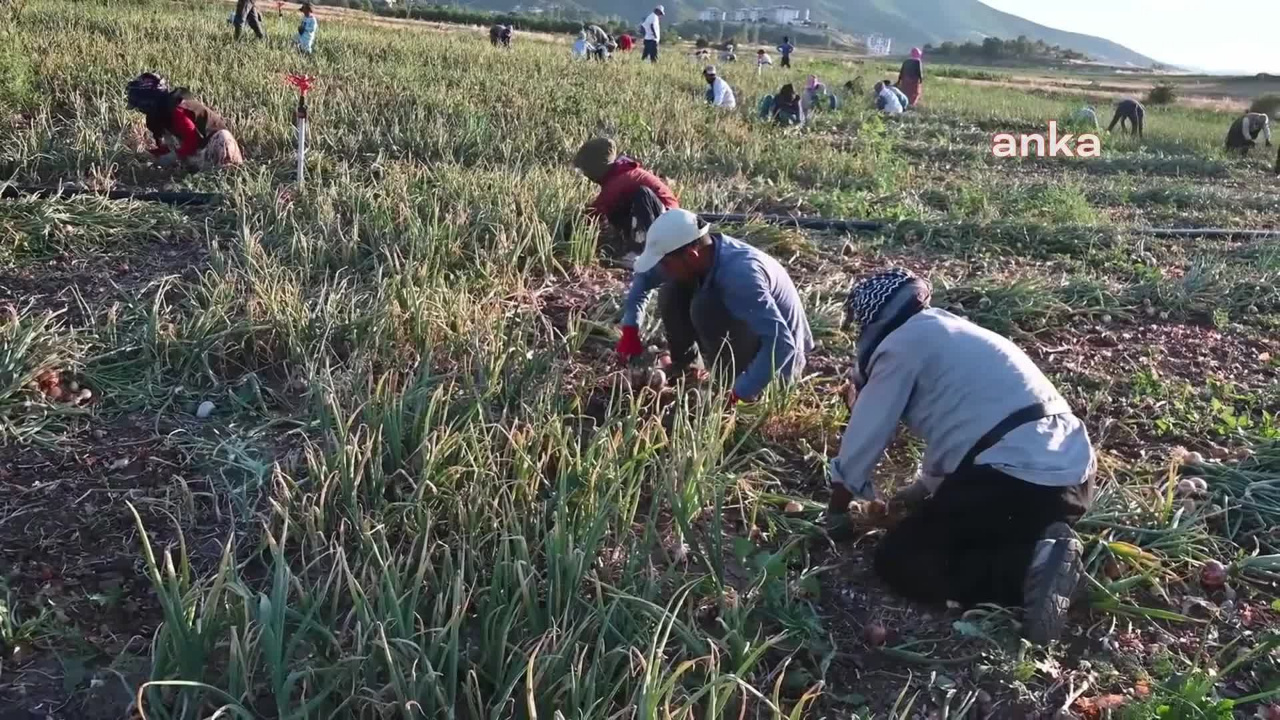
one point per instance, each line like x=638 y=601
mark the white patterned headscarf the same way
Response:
x=869 y=296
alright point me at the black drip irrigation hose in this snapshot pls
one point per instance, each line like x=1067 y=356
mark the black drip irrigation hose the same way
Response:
x=180 y=198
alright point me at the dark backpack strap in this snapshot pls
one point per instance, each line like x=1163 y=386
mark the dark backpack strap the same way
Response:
x=1017 y=418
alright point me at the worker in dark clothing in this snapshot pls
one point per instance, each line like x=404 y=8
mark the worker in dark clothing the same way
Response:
x=1244 y=132
x=186 y=131
x=247 y=12
x=1007 y=467
x=1130 y=112
x=785 y=108
x=621 y=201
x=500 y=34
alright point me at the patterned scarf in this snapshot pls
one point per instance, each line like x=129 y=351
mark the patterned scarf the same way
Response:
x=869 y=296
x=866 y=304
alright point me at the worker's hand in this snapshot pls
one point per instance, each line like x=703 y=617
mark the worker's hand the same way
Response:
x=839 y=525
x=629 y=346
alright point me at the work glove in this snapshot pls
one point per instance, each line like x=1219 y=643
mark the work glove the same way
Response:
x=629 y=346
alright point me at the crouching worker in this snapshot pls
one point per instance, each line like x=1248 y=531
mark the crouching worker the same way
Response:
x=889 y=99
x=628 y=192
x=719 y=94
x=785 y=108
x=1244 y=132
x=720 y=298
x=186 y=130
x=1007 y=467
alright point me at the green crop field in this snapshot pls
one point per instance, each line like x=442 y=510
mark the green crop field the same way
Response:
x=426 y=489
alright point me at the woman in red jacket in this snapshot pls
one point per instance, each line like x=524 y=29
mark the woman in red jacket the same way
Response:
x=630 y=198
x=185 y=129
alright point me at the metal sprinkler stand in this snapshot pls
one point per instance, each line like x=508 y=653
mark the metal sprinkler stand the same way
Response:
x=303 y=83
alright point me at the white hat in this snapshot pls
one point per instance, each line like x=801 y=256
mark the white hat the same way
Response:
x=660 y=10
x=672 y=230
x=709 y=71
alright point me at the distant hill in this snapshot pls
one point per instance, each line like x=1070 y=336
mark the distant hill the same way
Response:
x=908 y=22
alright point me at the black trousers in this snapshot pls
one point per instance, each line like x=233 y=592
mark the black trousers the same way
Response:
x=696 y=321
x=1238 y=140
x=786 y=61
x=972 y=540
x=247 y=13
x=650 y=51
x=1133 y=117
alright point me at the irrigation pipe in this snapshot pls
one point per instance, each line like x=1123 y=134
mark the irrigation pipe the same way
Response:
x=804 y=223
x=14 y=192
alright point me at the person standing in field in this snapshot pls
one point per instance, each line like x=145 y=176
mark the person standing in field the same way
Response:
x=630 y=197
x=186 y=131
x=1007 y=467
x=247 y=12
x=785 y=50
x=1130 y=112
x=721 y=298
x=719 y=94
x=652 y=33
x=1244 y=132
x=306 y=29
x=911 y=77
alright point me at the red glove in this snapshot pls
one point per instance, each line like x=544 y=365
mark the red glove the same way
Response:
x=734 y=399
x=629 y=346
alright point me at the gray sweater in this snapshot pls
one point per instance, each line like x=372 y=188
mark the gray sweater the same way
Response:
x=951 y=381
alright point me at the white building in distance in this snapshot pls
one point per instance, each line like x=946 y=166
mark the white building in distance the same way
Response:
x=784 y=15
x=712 y=14
x=878 y=44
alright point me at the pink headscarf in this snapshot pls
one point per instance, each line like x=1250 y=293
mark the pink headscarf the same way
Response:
x=813 y=82
x=916 y=53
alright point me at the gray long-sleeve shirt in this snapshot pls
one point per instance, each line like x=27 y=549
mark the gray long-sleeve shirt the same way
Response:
x=951 y=381
x=757 y=290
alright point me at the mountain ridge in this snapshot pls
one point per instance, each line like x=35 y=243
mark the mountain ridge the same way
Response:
x=908 y=22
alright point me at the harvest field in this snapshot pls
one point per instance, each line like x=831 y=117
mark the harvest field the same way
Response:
x=425 y=490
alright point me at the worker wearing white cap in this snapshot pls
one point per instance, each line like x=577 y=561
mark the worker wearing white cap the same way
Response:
x=722 y=297
x=719 y=93
x=652 y=33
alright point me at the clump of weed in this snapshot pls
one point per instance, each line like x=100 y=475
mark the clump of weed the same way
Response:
x=1162 y=95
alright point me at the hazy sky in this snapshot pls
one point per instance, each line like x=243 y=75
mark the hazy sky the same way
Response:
x=1215 y=35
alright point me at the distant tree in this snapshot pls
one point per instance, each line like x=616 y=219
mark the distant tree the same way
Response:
x=701 y=43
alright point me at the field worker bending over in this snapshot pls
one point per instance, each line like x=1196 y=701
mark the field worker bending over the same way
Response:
x=1131 y=112
x=1007 y=467
x=247 y=12
x=500 y=34
x=911 y=77
x=306 y=29
x=602 y=44
x=720 y=297
x=1085 y=117
x=887 y=100
x=625 y=43
x=719 y=93
x=627 y=191
x=816 y=96
x=1244 y=132
x=652 y=34
x=185 y=129
x=784 y=108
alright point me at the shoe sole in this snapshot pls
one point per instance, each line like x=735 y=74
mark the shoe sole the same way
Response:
x=1045 y=614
